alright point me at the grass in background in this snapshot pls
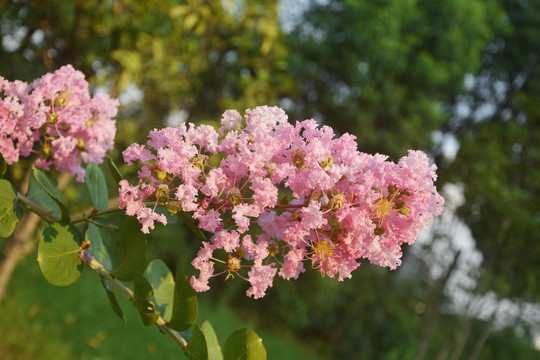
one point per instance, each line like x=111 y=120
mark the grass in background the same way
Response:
x=40 y=321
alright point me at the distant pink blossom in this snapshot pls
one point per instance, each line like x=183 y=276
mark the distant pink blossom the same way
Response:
x=56 y=118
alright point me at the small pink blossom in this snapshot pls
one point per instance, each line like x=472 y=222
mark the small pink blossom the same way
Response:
x=260 y=278
x=228 y=241
x=312 y=217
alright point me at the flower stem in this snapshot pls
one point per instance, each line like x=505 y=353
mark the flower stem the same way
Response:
x=94 y=214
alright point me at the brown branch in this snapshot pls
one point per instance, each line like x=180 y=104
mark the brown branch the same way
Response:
x=128 y=293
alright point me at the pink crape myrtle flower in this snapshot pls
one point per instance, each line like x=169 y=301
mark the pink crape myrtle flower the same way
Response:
x=55 y=119
x=280 y=197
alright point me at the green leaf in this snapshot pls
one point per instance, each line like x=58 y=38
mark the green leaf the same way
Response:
x=58 y=255
x=112 y=299
x=244 y=344
x=3 y=165
x=188 y=220
x=116 y=174
x=141 y=293
x=38 y=195
x=185 y=306
x=214 y=350
x=51 y=188
x=10 y=211
x=132 y=248
x=97 y=249
x=97 y=186
x=161 y=279
x=196 y=348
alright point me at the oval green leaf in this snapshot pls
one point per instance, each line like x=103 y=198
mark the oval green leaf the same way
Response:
x=112 y=300
x=161 y=279
x=185 y=306
x=58 y=255
x=97 y=249
x=97 y=186
x=142 y=291
x=10 y=211
x=244 y=344
x=196 y=348
x=212 y=343
x=49 y=185
x=132 y=250
x=37 y=194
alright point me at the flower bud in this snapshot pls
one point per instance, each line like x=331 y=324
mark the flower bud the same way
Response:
x=273 y=248
x=298 y=158
x=80 y=144
x=62 y=99
x=160 y=174
x=47 y=149
x=173 y=206
x=404 y=211
x=337 y=199
x=333 y=221
x=270 y=169
x=379 y=230
x=200 y=161
x=91 y=122
x=162 y=193
x=240 y=253
x=52 y=117
x=235 y=196
x=314 y=195
x=329 y=162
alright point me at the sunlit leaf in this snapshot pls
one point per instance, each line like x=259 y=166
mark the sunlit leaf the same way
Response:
x=244 y=344
x=58 y=255
x=97 y=249
x=212 y=343
x=196 y=348
x=10 y=211
x=161 y=279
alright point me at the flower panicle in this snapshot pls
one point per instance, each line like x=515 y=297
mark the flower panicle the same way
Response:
x=56 y=119
x=277 y=196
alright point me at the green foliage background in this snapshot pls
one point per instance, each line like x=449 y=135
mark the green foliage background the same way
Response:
x=398 y=74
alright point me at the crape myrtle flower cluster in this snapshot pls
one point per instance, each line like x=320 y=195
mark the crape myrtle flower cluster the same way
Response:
x=278 y=196
x=55 y=119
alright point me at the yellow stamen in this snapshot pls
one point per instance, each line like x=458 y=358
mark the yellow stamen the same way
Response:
x=323 y=248
x=383 y=208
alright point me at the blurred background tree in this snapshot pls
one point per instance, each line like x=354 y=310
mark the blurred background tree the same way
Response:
x=456 y=78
